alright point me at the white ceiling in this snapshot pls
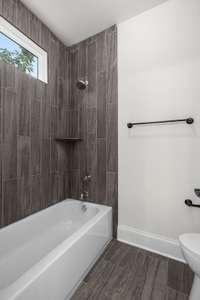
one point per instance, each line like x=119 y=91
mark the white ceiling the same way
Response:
x=75 y=20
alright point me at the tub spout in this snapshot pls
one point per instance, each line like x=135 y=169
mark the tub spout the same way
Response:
x=84 y=195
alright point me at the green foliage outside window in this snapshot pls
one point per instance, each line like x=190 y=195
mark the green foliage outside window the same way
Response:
x=22 y=59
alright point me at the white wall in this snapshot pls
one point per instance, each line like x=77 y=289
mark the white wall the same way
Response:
x=159 y=78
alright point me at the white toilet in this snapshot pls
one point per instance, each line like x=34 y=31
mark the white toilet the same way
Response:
x=190 y=245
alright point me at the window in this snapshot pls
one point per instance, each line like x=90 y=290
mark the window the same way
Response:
x=18 y=49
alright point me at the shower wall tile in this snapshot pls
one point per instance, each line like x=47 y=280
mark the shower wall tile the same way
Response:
x=35 y=155
x=63 y=185
x=83 y=116
x=101 y=170
x=35 y=29
x=36 y=203
x=39 y=92
x=111 y=45
x=53 y=121
x=7 y=75
x=72 y=123
x=36 y=170
x=111 y=84
x=101 y=104
x=36 y=114
x=9 y=157
x=63 y=159
x=31 y=161
x=92 y=73
x=23 y=156
x=92 y=121
x=9 y=117
x=97 y=106
x=35 y=136
x=74 y=184
x=102 y=59
x=74 y=156
x=23 y=18
x=54 y=185
x=46 y=44
x=24 y=92
x=111 y=137
x=111 y=196
x=92 y=165
x=1 y=198
x=62 y=122
x=10 y=205
x=83 y=158
x=23 y=196
x=74 y=92
x=45 y=189
x=68 y=123
x=82 y=60
x=45 y=120
x=61 y=60
x=53 y=156
x=45 y=156
x=1 y=213
x=62 y=99
x=9 y=10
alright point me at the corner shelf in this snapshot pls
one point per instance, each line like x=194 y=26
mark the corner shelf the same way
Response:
x=67 y=140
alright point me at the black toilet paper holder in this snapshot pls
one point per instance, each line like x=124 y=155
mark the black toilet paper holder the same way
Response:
x=189 y=202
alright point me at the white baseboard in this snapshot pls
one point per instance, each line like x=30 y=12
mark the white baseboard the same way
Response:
x=151 y=242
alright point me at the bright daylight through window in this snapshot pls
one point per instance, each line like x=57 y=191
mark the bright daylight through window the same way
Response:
x=19 y=50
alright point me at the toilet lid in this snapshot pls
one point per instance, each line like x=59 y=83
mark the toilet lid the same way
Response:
x=191 y=241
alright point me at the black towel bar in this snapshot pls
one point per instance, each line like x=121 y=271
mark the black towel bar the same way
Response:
x=189 y=121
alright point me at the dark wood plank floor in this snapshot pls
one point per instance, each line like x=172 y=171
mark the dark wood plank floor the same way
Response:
x=128 y=273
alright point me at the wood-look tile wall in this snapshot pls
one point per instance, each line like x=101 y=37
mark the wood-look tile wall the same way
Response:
x=36 y=171
x=95 y=59
x=33 y=167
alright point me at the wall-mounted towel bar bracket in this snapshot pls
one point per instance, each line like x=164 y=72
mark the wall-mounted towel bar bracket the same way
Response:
x=190 y=203
x=188 y=121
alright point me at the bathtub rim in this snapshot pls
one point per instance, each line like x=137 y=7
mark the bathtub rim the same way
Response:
x=40 y=212
x=17 y=287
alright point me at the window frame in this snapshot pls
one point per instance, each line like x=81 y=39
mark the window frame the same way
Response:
x=22 y=40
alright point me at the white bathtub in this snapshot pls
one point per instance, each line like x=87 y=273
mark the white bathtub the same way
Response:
x=46 y=255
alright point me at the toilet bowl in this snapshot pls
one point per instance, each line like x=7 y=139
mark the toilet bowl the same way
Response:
x=190 y=245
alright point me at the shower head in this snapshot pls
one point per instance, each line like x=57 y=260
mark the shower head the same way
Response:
x=82 y=84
